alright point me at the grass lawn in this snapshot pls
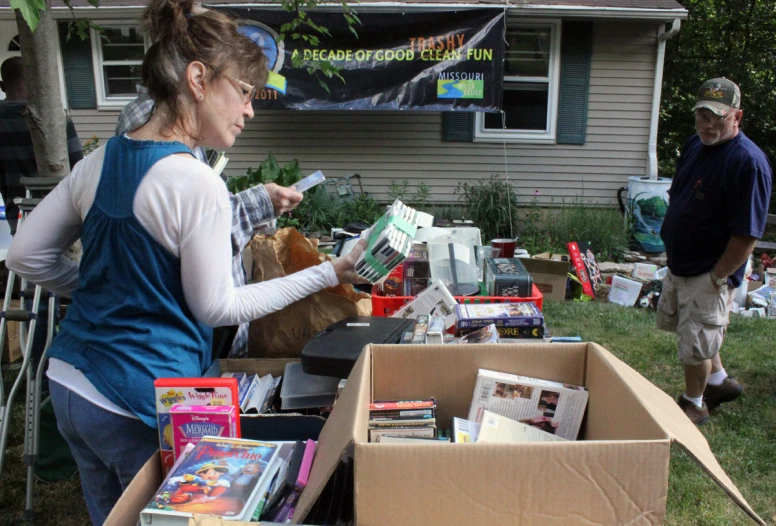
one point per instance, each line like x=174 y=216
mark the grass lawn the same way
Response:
x=741 y=434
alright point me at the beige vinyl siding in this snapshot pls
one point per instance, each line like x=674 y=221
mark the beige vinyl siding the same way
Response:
x=384 y=146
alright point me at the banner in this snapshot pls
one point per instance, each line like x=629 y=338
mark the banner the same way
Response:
x=440 y=61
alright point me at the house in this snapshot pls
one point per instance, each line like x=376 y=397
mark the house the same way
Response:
x=581 y=98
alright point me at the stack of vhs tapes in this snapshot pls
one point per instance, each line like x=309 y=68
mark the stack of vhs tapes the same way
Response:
x=388 y=242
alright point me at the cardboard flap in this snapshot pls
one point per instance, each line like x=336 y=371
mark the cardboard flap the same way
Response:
x=337 y=434
x=678 y=427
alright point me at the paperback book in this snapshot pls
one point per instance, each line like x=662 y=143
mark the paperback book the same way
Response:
x=554 y=407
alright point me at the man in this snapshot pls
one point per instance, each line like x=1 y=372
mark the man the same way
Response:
x=17 y=158
x=251 y=208
x=718 y=210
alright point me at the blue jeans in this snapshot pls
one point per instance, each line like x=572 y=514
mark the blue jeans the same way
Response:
x=109 y=449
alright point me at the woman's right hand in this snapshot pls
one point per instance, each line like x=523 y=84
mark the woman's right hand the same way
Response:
x=345 y=266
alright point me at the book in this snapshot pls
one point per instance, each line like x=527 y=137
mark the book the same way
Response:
x=219 y=163
x=390 y=405
x=375 y=435
x=401 y=422
x=388 y=439
x=524 y=314
x=400 y=414
x=502 y=430
x=188 y=391
x=465 y=431
x=225 y=477
x=555 y=407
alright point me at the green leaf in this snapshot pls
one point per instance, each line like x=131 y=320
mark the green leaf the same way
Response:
x=291 y=173
x=30 y=10
x=325 y=86
x=270 y=169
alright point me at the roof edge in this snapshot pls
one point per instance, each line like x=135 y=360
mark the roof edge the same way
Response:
x=533 y=10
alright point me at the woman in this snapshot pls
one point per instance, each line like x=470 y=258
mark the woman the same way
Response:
x=155 y=273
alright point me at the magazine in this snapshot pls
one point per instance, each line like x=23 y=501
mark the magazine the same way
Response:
x=225 y=477
x=555 y=407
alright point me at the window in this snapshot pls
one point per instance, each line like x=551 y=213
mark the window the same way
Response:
x=118 y=55
x=531 y=72
x=14 y=45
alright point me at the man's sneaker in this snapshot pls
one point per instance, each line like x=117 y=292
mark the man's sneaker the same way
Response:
x=727 y=391
x=697 y=415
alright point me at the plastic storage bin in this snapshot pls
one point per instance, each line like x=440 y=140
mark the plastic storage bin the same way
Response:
x=387 y=305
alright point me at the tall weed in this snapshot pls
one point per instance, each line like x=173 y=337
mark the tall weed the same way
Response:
x=492 y=205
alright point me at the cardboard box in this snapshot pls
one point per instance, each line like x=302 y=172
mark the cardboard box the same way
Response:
x=549 y=276
x=12 y=349
x=265 y=427
x=616 y=474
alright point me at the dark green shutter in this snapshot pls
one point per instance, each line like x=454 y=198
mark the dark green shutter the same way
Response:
x=458 y=126
x=576 y=49
x=79 y=75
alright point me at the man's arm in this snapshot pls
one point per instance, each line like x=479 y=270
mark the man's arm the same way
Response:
x=257 y=205
x=736 y=253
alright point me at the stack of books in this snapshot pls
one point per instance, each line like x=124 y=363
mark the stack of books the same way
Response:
x=388 y=242
x=402 y=418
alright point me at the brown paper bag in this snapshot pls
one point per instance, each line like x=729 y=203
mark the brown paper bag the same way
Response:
x=283 y=334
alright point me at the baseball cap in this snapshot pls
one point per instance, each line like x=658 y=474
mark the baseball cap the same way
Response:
x=719 y=95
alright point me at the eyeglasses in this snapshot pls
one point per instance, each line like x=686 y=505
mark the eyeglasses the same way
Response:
x=710 y=117
x=247 y=91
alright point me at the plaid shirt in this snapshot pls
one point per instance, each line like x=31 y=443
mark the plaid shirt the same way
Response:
x=250 y=209
x=17 y=156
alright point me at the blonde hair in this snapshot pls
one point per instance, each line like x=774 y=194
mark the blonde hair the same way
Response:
x=183 y=33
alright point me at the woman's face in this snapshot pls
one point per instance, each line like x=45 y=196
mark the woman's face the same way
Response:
x=223 y=112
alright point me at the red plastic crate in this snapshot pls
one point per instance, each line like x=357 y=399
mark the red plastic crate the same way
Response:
x=387 y=305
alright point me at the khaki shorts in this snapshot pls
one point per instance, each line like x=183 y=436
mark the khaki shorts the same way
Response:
x=697 y=311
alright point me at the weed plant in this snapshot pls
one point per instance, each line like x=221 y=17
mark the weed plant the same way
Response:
x=492 y=205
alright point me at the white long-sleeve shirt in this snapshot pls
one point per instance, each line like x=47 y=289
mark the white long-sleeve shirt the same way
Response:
x=185 y=207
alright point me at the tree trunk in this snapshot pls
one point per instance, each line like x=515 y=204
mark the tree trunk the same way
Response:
x=45 y=113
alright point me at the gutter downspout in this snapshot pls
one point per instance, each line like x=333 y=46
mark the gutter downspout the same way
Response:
x=655 y=117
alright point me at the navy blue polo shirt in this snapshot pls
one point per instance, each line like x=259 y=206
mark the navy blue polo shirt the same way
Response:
x=718 y=192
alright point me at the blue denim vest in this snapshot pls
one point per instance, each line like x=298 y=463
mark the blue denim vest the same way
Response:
x=129 y=323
